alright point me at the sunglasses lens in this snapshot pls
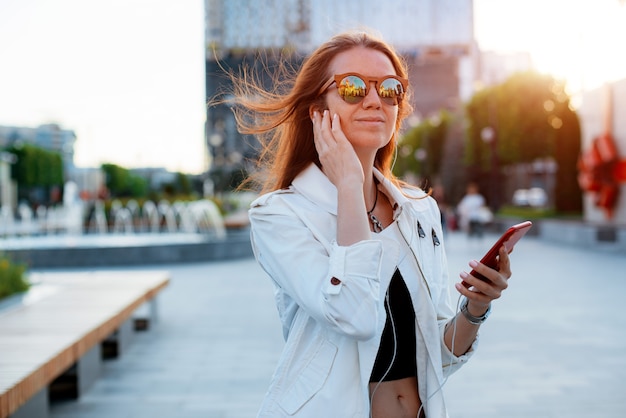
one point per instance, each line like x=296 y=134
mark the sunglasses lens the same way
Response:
x=391 y=91
x=352 y=89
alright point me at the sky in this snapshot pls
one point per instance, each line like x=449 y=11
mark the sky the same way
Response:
x=579 y=41
x=127 y=76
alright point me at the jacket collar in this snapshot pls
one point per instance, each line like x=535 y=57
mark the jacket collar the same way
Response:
x=313 y=184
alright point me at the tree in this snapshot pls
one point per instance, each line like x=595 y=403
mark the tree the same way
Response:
x=568 y=195
x=122 y=183
x=36 y=171
x=36 y=166
x=181 y=185
x=420 y=149
x=531 y=118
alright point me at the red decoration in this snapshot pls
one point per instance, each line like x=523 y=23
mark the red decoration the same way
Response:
x=601 y=171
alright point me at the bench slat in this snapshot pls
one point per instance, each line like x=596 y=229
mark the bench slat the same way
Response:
x=38 y=342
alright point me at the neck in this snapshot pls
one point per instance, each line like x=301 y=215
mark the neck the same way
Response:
x=369 y=186
x=369 y=190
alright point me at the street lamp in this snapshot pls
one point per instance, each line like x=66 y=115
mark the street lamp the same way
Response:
x=487 y=134
x=6 y=159
x=420 y=156
x=489 y=137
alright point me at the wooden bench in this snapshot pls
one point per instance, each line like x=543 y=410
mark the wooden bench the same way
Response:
x=40 y=341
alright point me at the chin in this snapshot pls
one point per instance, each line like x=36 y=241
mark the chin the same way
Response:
x=371 y=143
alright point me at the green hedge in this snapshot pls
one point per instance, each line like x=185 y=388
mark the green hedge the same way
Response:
x=12 y=278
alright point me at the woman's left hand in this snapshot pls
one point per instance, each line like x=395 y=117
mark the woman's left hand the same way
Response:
x=480 y=293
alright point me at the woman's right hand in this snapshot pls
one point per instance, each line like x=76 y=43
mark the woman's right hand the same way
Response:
x=339 y=160
x=343 y=168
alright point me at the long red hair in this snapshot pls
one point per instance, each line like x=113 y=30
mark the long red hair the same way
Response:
x=280 y=118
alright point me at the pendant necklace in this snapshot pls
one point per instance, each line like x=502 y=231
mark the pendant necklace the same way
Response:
x=376 y=225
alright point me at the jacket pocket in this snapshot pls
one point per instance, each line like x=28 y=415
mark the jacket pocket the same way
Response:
x=311 y=379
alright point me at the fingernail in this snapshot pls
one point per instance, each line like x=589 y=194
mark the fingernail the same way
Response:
x=464 y=275
x=473 y=263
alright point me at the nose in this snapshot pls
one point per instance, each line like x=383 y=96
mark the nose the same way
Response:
x=371 y=99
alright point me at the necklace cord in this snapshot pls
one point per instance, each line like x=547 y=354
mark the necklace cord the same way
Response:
x=375 y=201
x=376 y=224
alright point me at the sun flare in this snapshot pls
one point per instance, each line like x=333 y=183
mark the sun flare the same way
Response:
x=580 y=42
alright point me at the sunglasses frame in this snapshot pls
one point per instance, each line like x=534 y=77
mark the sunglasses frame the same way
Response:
x=337 y=78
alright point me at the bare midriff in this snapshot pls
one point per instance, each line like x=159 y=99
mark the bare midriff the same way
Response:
x=395 y=398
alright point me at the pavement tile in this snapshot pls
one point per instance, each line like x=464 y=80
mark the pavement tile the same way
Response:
x=553 y=347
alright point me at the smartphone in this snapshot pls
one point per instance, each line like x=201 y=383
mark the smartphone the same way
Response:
x=508 y=239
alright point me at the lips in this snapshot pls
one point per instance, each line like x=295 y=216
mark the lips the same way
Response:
x=371 y=119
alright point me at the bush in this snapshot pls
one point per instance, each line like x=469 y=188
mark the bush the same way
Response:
x=525 y=212
x=12 y=279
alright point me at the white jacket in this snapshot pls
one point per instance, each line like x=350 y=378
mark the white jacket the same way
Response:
x=332 y=332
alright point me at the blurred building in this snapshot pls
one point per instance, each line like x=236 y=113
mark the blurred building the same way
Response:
x=50 y=137
x=494 y=68
x=236 y=25
x=436 y=37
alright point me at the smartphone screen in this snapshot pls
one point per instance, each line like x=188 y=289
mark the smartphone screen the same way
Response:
x=510 y=237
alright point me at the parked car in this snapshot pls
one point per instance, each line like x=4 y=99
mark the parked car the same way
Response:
x=534 y=197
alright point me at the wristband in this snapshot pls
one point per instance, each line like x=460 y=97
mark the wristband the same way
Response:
x=475 y=320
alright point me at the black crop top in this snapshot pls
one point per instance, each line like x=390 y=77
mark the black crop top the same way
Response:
x=401 y=317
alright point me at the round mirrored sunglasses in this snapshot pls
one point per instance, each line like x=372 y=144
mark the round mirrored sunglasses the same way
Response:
x=353 y=87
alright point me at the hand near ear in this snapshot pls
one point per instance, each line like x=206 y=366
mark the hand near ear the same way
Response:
x=339 y=160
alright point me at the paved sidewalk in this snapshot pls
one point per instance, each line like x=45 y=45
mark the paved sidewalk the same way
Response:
x=553 y=347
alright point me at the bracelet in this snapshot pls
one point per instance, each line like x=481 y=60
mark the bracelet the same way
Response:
x=475 y=320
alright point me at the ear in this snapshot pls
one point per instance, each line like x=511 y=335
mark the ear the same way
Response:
x=313 y=108
x=319 y=104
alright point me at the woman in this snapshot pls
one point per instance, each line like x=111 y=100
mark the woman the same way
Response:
x=356 y=257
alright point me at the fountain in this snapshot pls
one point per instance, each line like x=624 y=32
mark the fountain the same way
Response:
x=152 y=233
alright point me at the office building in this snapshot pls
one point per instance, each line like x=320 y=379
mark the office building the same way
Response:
x=435 y=37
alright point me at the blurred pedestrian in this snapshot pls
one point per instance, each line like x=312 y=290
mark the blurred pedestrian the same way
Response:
x=473 y=212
